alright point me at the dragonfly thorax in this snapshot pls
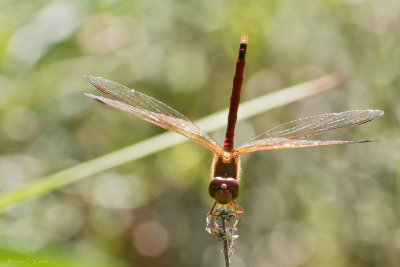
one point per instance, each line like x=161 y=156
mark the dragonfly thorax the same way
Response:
x=226 y=156
x=223 y=190
x=226 y=168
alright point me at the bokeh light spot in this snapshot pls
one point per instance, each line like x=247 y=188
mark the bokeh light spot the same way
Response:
x=150 y=239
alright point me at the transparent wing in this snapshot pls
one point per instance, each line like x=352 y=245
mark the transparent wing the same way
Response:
x=291 y=134
x=149 y=109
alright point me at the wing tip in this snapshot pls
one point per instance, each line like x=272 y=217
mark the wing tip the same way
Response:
x=374 y=114
x=378 y=112
x=368 y=141
x=90 y=78
x=97 y=82
x=89 y=95
x=95 y=97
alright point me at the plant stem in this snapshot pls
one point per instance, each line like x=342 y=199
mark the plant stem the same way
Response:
x=225 y=242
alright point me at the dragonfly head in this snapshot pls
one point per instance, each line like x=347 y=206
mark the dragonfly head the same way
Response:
x=223 y=190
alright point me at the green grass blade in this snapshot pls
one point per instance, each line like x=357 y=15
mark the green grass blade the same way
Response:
x=163 y=141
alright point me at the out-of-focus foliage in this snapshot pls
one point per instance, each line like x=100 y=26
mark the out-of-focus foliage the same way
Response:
x=329 y=206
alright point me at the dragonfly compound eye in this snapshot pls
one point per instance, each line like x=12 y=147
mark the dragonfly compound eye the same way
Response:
x=223 y=190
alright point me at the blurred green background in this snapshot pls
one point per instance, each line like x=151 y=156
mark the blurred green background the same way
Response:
x=329 y=206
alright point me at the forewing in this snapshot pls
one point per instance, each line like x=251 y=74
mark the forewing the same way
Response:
x=292 y=134
x=149 y=109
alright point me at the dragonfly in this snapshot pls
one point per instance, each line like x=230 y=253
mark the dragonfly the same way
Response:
x=224 y=184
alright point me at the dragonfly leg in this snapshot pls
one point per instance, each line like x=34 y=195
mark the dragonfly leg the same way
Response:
x=226 y=212
x=212 y=209
x=235 y=212
x=213 y=212
x=234 y=204
x=210 y=213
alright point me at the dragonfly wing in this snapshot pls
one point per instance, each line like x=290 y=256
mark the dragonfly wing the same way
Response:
x=289 y=134
x=274 y=143
x=149 y=109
